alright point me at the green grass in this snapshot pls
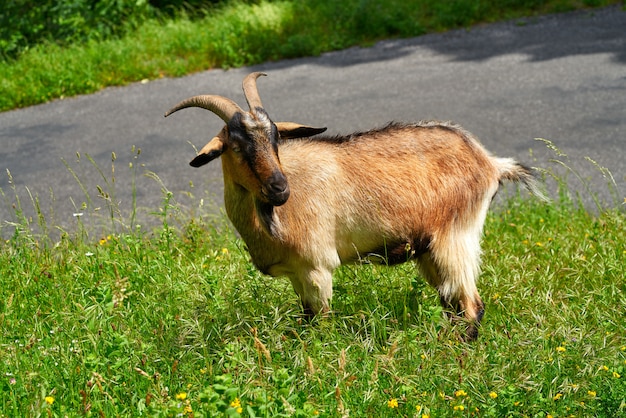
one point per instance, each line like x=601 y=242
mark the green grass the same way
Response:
x=177 y=321
x=239 y=33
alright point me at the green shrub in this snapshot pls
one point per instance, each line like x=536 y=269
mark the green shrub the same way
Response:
x=26 y=23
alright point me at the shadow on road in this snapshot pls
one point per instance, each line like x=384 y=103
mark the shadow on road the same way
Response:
x=563 y=35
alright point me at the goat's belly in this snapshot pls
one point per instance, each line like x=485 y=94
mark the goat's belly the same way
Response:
x=387 y=252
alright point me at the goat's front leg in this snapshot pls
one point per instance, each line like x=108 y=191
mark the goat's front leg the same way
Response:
x=315 y=288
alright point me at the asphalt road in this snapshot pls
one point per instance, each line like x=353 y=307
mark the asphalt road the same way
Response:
x=561 y=78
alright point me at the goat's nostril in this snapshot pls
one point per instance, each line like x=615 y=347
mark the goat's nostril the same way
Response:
x=277 y=183
x=278 y=187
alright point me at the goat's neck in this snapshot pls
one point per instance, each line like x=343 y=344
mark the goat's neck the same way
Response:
x=254 y=223
x=252 y=218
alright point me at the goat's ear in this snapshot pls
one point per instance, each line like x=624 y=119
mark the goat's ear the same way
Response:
x=295 y=130
x=209 y=152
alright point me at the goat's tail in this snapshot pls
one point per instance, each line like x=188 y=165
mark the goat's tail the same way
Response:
x=511 y=170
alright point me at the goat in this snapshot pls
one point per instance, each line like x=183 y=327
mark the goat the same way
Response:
x=403 y=192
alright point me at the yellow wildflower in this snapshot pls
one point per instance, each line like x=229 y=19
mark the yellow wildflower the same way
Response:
x=392 y=403
x=604 y=368
x=236 y=403
x=460 y=392
x=560 y=349
x=591 y=393
x=493 y=395
x=425 y=416
x=459 y=408
x=181 y=396
x=49 y=400
x=557 y=396
x=616 y=375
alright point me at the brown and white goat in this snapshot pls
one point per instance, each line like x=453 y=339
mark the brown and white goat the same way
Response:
x=306 y=205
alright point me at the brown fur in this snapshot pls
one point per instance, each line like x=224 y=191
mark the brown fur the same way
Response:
x=418 y=191
x=427 y=186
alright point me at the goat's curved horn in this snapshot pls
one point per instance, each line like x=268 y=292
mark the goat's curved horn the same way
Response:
x=250 y=90
x=221 y=106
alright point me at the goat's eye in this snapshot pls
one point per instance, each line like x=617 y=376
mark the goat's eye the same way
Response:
x=236 y=149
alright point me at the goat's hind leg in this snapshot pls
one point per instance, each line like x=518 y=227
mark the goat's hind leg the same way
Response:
x=453 y=269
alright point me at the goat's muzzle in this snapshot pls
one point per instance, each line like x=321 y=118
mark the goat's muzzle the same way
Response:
x=276 y=190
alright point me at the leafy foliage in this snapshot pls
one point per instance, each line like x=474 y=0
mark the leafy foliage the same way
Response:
x=26 y=23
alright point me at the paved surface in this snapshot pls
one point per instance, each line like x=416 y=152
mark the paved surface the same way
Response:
x=561 y=77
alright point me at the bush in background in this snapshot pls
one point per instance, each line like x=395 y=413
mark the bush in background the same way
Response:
x=25 y=23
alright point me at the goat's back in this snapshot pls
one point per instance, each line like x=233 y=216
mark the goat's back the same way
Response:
x=398 y=181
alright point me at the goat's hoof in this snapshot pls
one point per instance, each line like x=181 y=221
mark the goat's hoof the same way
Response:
x=471 y=334
x=309 y=313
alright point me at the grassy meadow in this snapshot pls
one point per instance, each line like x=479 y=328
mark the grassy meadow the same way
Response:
x=176 y=321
